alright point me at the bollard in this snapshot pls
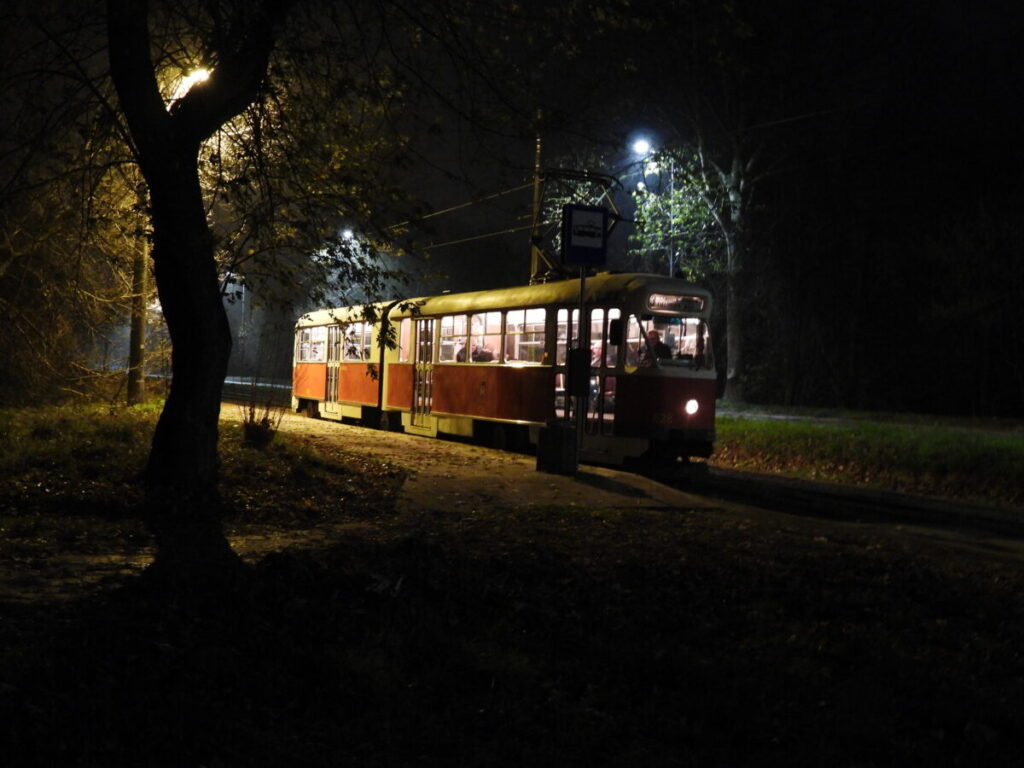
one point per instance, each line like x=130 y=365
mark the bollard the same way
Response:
x=557 y=451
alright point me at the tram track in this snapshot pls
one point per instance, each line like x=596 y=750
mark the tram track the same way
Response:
x=239 y=391
x=845 y=503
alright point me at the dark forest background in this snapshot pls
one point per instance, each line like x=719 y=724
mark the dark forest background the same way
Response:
x=883 y=234
x=889 y=275
x=884 y=229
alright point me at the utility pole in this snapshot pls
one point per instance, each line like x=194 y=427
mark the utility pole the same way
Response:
x=536 y=237
x=672 y=216
x=137 y=337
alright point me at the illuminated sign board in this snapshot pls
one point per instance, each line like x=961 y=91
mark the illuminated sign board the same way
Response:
x=584 y=235
x=670 y=302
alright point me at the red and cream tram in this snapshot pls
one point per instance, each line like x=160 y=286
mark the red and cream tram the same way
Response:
x=493 y=365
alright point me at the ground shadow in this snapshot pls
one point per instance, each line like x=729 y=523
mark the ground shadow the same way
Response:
x=427 y=650
x=612 y=486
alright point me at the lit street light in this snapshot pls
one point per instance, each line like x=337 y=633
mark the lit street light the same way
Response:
x=642 y=147
x=196 y=76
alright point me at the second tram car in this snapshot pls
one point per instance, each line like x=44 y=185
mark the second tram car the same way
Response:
x=493 y=365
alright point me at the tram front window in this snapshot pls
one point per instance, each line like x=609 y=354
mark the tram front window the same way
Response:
x=658 y=340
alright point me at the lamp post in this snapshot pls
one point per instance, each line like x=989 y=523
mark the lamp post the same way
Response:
x=671 y=216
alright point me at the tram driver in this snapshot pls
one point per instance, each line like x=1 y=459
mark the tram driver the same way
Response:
x=655 y=349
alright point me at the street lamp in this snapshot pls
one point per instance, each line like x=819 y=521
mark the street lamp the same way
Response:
x=193 y=77
x=643 y=149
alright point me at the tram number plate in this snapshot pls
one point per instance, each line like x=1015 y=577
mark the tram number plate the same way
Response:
x=662 y=419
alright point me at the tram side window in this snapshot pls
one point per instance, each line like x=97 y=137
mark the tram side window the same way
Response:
x=404 y=340
x=634 y=342
x=603 y=351
x=357 y=341
x=611 y=347
x=564 y=333
x=367 y=341
x=452 y=343
x=485 y=337
x=312 y=345
x=524 y=335
x=353 y=340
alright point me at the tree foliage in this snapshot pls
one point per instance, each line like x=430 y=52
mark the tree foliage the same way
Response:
x=71 y=216
x=301 y=129
x=676 y=228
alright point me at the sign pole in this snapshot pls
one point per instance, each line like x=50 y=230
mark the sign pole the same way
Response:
x=584 y=244
x=582 y=360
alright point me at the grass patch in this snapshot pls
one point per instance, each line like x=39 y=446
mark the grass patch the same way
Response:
x=72 y=489
x=73 y=460
x=982 y=466
x=88 y=461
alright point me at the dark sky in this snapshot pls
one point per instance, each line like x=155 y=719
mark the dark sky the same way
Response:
x=887 y=110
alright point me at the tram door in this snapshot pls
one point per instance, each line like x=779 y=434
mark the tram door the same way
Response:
x=604 y=357
x=423 y=373
x=334 y=350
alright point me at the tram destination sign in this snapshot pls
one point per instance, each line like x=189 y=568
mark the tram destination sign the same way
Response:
x=584 y=235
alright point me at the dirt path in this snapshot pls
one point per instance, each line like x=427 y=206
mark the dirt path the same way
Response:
x=450 y=475
x=443 y=475
x=447 y=475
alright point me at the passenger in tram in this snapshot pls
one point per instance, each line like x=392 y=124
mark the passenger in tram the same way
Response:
x=476 y=354
x=596 y=354
x=656 y=349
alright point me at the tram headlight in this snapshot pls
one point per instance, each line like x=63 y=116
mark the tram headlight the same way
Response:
x=692 y=406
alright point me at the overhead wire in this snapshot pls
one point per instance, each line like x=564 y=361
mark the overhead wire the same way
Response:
x=477 y=201
x=470 y=239
x=468 y=204
x=460 y=206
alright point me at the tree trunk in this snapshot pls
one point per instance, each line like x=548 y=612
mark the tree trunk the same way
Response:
x=735 y=258
x=733 y=323
x=183 y=507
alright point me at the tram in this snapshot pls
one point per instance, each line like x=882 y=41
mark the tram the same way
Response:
x=495 y=366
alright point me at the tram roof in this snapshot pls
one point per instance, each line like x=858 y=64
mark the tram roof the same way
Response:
x=602 y=289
